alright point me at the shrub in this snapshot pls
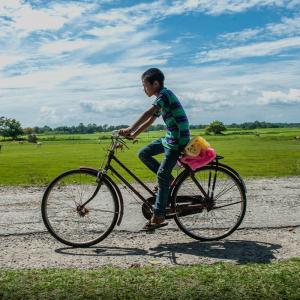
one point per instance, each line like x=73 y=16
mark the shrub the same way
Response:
x=32 y=138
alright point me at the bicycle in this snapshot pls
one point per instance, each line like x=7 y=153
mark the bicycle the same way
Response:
x=81 y=207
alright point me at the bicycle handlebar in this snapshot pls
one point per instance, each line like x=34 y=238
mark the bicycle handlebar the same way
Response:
x=115 y=134
x=118 y=139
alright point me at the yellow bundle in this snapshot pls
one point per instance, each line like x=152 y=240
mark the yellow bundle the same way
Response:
x=194 y=147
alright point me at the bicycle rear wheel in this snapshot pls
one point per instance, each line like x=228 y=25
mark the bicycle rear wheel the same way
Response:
x=216 y=214
x=72 y=224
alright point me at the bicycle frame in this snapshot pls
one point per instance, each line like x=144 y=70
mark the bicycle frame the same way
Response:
x=117 y=141
x=112 y=157
x=108 y=166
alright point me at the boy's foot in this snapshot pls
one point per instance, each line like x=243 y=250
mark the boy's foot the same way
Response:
x=152 y=226
x=154 y=223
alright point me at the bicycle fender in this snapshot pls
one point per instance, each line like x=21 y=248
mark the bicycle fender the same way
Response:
x=120 y=199
x=178 y=179
x=116 y=190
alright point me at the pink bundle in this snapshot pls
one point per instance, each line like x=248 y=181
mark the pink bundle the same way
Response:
x=194 y=162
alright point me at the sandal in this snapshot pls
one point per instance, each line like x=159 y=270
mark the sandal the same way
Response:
x=154 y=223
x=152 y=226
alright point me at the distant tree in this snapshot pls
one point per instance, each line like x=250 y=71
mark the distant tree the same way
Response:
x=2 y=121
x=28 y=130
x=46 y=128
x=93 y=128
x=215 y=127
x=10 y=128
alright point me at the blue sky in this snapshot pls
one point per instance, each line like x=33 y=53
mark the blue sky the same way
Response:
x=66 y=62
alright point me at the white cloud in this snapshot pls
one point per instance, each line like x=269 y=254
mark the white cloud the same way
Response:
x=280 y=97
x=9 y=5
x=206 y=100
x=26 y=19
x=62 y=46
x=45 y=79
x=117 y=36
x=219 y=7
x=287 y=27
x=240 y=36
x=252 y=50
x=8 y=59
x=154 y=53
x=71 y=10
x=49 y=115
x=112 y=107
x=108 y=31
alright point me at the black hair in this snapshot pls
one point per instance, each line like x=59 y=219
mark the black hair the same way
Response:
x=154 y=74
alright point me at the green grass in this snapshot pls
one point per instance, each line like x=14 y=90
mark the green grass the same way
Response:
x=275 y=152
x=279 y=280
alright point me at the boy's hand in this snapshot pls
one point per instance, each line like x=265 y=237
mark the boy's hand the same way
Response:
x=125 y=131
x=133 y=135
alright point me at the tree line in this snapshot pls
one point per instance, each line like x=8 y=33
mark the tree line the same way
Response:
x=12 y=128
x=93 y=128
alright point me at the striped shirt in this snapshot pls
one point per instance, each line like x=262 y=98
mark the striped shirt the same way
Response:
x=173 y=114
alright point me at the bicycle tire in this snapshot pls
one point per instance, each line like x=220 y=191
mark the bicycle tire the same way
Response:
x=201 y=230
x=62 y=196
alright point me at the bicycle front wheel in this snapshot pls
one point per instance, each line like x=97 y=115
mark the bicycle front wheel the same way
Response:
x=67 y=220
x=217 y=212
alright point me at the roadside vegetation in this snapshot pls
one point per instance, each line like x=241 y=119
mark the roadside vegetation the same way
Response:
x=279 y=280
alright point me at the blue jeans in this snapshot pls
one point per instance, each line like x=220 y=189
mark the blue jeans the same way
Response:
x=163 y=171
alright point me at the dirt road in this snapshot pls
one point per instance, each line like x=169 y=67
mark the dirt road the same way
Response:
x=270 y=231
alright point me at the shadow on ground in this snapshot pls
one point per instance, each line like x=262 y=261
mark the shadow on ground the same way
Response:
x=241 y=252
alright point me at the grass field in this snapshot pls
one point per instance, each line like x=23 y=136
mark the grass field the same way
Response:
x=278 y=280
x=256 y=153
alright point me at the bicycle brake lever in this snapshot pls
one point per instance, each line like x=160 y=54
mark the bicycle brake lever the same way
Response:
x=123 y=143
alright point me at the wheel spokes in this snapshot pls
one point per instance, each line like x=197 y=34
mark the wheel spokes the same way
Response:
x=70 y=220
x=223 y=205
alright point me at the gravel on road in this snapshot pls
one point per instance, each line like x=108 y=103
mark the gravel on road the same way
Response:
x=270 y=231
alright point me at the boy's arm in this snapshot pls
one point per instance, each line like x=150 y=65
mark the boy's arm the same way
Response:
x=141 y=120
x=144 y=126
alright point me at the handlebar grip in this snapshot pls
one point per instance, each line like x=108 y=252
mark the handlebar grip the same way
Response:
x=128 y=137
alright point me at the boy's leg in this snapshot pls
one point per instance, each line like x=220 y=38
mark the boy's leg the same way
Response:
x=164 y=176
x=146 y=155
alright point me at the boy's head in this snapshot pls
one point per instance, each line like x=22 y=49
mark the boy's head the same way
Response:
x=153 y=81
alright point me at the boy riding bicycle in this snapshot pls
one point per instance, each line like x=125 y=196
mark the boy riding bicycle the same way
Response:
x=177 y=137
